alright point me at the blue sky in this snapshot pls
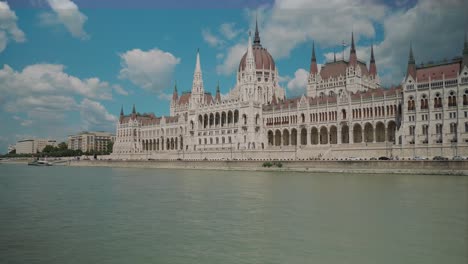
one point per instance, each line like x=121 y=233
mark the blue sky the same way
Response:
x=68 y=66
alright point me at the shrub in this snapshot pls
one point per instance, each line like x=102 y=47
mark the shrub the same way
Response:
x=267 y=164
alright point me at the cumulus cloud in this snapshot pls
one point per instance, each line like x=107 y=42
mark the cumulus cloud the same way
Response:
x=8 y=27
x=119 y=89
x=291 y=23
x=229 y=31
x=66 y=12
x=297 y=85
x=51 y=79
x=232 y=59
x=211 y=39
x=95 y=116
x=151 y=70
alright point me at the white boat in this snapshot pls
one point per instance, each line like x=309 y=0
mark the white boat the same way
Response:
x=40 y=163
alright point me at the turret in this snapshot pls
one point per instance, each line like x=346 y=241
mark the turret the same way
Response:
x=411 y=70
x=197 y=86
x=134 y=112
x=218 y=94
x=352 y=53
x=372 y=66
x=175 y=95
x=257 y=35
x=121 y=114
x=313 y=61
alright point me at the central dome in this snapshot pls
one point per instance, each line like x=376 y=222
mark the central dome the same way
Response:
x=263 y=59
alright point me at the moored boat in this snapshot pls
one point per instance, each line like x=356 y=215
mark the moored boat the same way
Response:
x=39 y=163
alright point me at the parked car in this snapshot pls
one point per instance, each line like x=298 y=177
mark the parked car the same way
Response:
x=419 y=158
x=373 y=158
x=439 y=158
x=384 y=158
x=457 y=158
x=353 y=158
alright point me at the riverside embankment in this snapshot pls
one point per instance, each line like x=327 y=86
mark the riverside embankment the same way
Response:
x=375 y=167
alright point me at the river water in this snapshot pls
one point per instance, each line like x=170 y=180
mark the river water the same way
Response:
x=105 y=215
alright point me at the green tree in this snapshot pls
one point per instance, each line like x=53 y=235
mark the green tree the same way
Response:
x=110 y=145
x=48 y=149
x=62 y=146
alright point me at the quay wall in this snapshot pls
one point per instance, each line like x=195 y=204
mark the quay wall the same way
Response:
x=377 y=167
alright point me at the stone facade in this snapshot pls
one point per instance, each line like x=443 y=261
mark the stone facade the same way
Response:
x=33 y=146
x=344 y=114
x=90 y=141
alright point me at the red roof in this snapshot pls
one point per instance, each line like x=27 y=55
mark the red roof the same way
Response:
x=438 y=72
x=263 y=59
x=335 y=69
x=184 y=98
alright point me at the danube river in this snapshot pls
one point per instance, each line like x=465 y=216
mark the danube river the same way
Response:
x=105 y=215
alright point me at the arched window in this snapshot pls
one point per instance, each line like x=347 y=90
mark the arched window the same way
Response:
x=410 y=103
x=437 y=101
x=465 y=98
x=452 y=100
x=424 y=102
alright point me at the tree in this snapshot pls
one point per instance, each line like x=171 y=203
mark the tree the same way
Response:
x=110 y=146
x=48 y=149
x=62 y=146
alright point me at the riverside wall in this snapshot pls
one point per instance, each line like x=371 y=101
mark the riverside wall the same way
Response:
x=374 y=167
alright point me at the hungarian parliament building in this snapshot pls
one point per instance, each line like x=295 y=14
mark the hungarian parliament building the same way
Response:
x=345 y=114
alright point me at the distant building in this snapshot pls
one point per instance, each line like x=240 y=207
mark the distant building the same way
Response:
x=11 y=148
x=90 y=141
x=33 y=145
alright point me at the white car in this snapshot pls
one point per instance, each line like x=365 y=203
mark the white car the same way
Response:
x=419 y=158
x=458 y=158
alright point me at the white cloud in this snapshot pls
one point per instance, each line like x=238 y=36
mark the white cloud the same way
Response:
x=51 y=79
x=95 y=116
x=165 y=96
x=119 y=89
x=232 y=59
x=8 y=27
x=66 y=12
x=293 y=22
x=211 y=39
x=229 y=31
x=441 y=24
x=297 y=85
x=151 y=70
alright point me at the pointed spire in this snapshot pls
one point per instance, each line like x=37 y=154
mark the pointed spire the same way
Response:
x=197 y=64
x=372 y=66
x=411 y=70
x=334 y=56
x=352 y=55
x=313 y=62
x=175 y=94
x=133 y=109
x=218 y=94
x=313 y=52
x=411 y=57
x=249 y=60
x=257 y=35
x=121 y=111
